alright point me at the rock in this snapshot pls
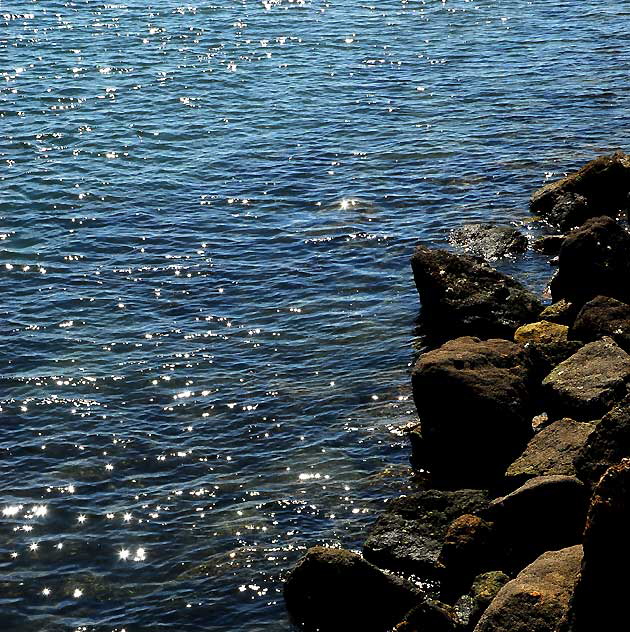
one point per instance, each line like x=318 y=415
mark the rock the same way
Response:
x=600 y=600
x=587 y=385
x=562 y=312
x=593 y=261
x=461 y=295
x=545 y=513
x=429 y=615
x=548 y=244
x=545 y=356
x=600 y=187
x=474 y=407
x=489 y=241
x=332 y=589
x=538 y=598
x=606 y=445
x=550 y=452
x=408 y=535
x=485 y=588
x=603 y=316
x=542 y=332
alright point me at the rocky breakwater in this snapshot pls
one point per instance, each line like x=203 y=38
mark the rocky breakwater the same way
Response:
x=523 y=442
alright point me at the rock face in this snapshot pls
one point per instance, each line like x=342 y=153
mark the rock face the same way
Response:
x=603 y=316
x=485 y=588
x=333 y=589
x=550 y=452
x=587 y=385
x=543 y=331
x=408 y=536
x=489 y=241
x=607 y=445
x=462 y=295
x=600 y=601
x=601 y=187
x=474 y=406
x=594 y=260
x=538 y=599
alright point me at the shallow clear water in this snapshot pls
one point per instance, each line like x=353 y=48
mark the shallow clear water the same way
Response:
x=206 y=215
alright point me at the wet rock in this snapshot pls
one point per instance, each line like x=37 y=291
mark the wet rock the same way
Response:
x=488 y=240
x=332 y=590
x=587 y=385
x=545 y=513
x=562 y=312
x=600 y=600
x=430 y=615
x=542 y=332
x=408 y=535
x=594 y=261
x=538 y=598
x=475 y=410
x=550 y=452
x=548 y=244
x=600 y=187
x=485 y=588
x=603 y=316
x=461 y=295
x=606 y=445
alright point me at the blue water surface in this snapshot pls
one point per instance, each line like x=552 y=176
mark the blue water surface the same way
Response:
x=206 y=215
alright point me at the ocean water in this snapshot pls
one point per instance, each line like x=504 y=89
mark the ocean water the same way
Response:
x=208 y=317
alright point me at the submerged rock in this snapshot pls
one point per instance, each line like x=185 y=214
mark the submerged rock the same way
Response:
x=461 y=295
x=603 y=316
x=600 y=187
x=409 y=534
x=488 y=240
x=332 y=589
x=538 y=598
x=474 y=405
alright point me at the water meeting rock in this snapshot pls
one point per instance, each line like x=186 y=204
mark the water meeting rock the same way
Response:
x=463 y=295
x=489 y=240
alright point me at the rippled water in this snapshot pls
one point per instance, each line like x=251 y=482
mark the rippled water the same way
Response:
x=206 y=214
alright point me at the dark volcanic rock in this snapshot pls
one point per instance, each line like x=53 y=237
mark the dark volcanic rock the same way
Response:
x=461 y=295
x=601 y=187
x=606 y=445
x=332 y=590
x=548 y=244
x=603 y=316
x=408 y=535
x=538 y=599
x=488 y=240
x=429 y=615
x=474 y=406
x=550 y=452
x=600 y=600
x=587 y=385
x=594 y=260
x=547 y=512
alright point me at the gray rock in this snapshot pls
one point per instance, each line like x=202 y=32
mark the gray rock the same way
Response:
x=489 y=241
x=587 y=385
x=538 y=598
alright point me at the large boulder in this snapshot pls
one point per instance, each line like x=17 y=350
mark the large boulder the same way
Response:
x=590 y=382
x=603 y=316
x=463 y=295
x=600 y=187
x=550 y=452
x=409 y=534
x=606 y=445
x=489 y=240
x=333 y=589
x=538 y=598
x=474 y=405
x=593 y=260
x=600 y=600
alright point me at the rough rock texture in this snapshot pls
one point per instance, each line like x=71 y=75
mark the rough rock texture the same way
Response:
x=548 y=244
x=600 y=601
x=474 y=406
x=600 y=187
x=594 y=260
x=408 y=535
x=550 y=452
x=488 y=240
x=545 y=513
x=543 y=331
x=484 y=589
x=430 y=615
x=538 y=599
x=562 y=312
x=603 y=316
x=462 y=295
x=332 y=590
x=607 y=444
x=587 y=385
x=545 y=356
